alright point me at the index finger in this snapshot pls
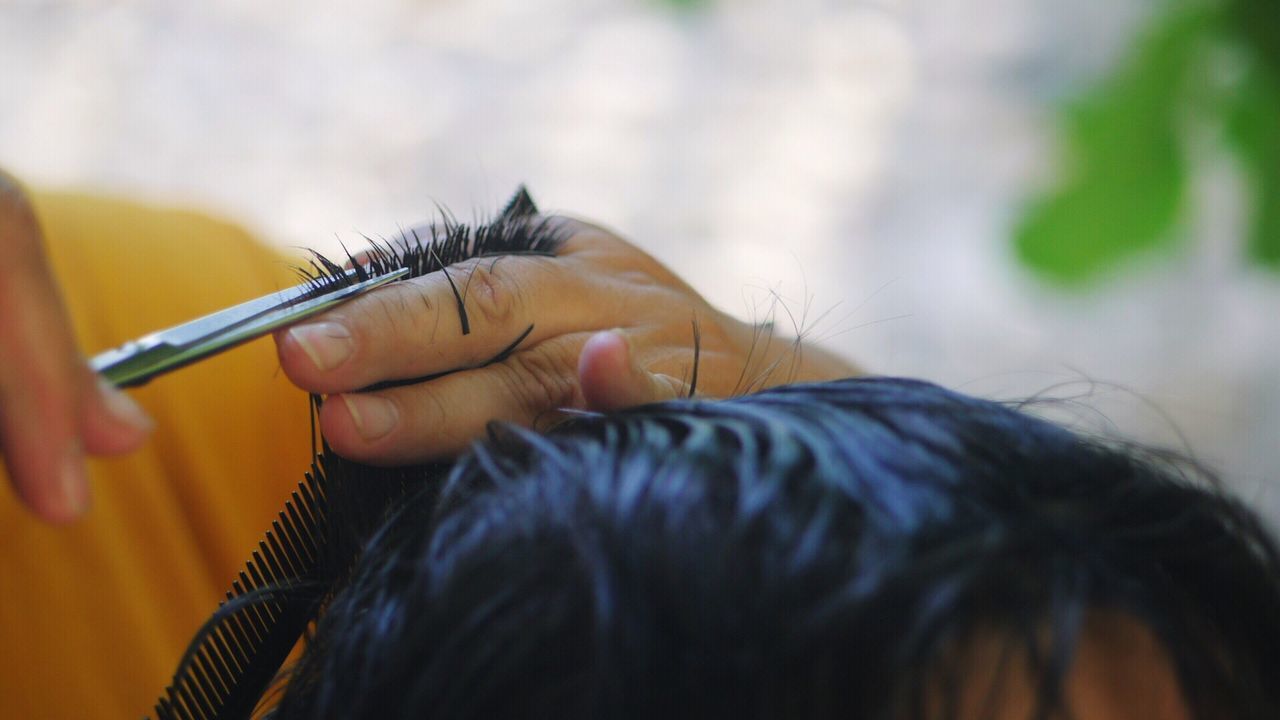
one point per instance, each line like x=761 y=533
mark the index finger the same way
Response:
x=458 y=317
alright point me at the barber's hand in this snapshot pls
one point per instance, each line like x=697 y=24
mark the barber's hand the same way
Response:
x=53 y=410
x=611 y=328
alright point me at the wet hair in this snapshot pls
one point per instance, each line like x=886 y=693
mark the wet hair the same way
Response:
x=811 y=551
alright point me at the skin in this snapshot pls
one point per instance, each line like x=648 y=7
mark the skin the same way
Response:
x=53 y=409
x=612 y=328
x=1121 y=671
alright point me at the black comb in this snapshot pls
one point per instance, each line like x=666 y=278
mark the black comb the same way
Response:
x=231 y=663
x=235 y=657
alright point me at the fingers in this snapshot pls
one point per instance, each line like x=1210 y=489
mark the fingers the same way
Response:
x=52 y=411
x=414 y=328
x=51 y=420
x=438 y=419
x=111 y=422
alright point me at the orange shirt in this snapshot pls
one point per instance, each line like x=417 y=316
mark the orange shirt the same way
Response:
x=93 y=617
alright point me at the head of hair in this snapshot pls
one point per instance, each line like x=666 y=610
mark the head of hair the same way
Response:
x=812 y=551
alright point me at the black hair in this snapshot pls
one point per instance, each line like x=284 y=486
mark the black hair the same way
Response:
x=811 y=551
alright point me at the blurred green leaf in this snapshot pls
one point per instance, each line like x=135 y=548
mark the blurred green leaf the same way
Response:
x=1126 y=171
x=1254 y=123
x=1253 y=128
x=1258 y=22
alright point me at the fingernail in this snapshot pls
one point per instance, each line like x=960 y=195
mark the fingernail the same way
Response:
x=124 y=408
x=374 y=416
x=328 y=344
x=74 y=481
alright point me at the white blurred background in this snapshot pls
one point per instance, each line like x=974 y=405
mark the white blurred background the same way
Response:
x=866 y=160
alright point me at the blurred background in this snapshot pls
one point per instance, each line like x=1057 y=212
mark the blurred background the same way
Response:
x=1008 y=197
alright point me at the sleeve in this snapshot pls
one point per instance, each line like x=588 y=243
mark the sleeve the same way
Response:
x=95 y=616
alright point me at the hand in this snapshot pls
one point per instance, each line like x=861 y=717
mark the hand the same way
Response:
x=53 y=409
x=611 y=327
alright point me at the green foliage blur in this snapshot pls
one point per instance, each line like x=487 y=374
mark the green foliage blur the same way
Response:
x=1200 y=64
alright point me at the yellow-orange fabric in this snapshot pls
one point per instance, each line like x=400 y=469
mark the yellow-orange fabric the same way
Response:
x=94 y=616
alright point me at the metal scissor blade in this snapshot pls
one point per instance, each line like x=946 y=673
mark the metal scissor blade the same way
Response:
x=136 y=362
x=191 y=332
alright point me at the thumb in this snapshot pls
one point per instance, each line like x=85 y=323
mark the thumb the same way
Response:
x=610 y=379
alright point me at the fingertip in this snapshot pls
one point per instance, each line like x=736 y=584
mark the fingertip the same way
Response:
x=293 y=358
x=611 y=380
x=311 y=354
x=373 y=416
x=359 y=426
x=44 y=451
x=73 y=485
x=604 y=371
x=115 y=423
x=338 y=427
x=604 y=353
x=57 y=494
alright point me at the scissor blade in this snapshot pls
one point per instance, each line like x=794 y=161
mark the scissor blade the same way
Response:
x=267 y=322
x=223 y=320
x=136 y=362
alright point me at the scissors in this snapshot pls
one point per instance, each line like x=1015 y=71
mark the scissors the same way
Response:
x=136 y=362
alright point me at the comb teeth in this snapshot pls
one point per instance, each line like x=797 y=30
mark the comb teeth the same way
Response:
x=238 y=652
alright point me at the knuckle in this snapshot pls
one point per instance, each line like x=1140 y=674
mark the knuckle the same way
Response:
x=363 y=317
x=492 y=298
x=432 y=417
x=541 y=380
x=434 y=429
x=380 y=320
